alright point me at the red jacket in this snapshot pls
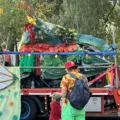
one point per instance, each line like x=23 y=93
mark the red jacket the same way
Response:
x=55 y=113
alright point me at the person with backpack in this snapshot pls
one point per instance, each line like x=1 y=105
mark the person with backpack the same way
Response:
x=75 y=92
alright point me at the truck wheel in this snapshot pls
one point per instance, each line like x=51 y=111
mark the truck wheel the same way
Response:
x=28 y=109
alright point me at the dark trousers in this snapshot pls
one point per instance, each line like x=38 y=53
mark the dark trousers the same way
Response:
x=6 y=63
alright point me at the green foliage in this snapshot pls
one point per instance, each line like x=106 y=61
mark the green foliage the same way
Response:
x=12 y=21
x=13 y=18
x=85 y=16
x=91 y=17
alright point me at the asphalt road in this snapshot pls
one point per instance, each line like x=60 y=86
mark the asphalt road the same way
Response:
x=91 y=118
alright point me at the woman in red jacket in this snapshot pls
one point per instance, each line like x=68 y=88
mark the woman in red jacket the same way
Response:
x=55 y=106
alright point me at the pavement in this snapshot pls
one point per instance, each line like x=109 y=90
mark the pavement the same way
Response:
x=90 y=118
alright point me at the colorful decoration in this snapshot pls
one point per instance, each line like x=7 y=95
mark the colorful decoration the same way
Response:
x=48 y=37
x=27 y=60
x=110 y=78
x=10 y=97
x=31 y=20
x=6 y=77
x=28 y=28
x=56 y=37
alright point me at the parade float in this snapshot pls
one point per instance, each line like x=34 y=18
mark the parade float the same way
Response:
x=52 y=45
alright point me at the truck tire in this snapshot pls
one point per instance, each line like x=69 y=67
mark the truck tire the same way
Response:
x=28 y=109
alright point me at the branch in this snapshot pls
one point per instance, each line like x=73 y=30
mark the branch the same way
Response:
x=115 y=3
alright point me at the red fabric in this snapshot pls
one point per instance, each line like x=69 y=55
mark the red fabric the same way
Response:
x=7 y=56
x=55 y=111
x=38 y=70
x=48 y=48
x=29 y=27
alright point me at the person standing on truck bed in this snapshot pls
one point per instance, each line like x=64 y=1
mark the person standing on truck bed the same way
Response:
x=6 y=56
x=67 y=83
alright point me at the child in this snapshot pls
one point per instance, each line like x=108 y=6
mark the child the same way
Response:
x=55 y=106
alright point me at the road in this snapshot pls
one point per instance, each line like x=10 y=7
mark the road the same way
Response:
x=91 y=118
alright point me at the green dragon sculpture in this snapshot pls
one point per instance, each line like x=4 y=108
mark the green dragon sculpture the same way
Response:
x=47 y=37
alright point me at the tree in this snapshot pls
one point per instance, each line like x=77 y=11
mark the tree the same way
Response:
x=91 y=17
x=114 y=20
x=12 y=21
x=86 y=16
x=13 y=18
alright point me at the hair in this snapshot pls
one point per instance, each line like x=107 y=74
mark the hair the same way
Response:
x=57 y=96
x=3 y=45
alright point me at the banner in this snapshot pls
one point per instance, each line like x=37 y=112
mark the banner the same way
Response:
x=10 y=98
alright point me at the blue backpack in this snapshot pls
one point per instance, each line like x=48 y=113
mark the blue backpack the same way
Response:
x=80 y=95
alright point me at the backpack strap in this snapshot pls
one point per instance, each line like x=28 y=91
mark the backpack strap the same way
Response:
x=73 y=75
